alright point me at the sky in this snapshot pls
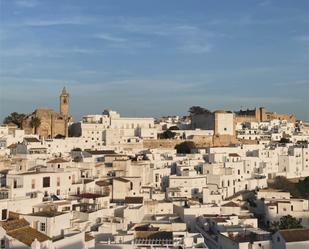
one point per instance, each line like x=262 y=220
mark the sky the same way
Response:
x=154 y=57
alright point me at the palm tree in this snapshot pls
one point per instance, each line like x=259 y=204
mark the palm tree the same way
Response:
x=35 y=123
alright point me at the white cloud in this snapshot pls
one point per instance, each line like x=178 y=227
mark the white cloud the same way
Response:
x=293 y=83
x=304 y=38
x=264 y=3
x=111 y=38
x=54 y=22
x=38 y=51
x=196 y=48
x=254 y=100
x=27 y=3
x=187 y=38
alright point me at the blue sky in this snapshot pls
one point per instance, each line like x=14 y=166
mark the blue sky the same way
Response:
x=154 y=57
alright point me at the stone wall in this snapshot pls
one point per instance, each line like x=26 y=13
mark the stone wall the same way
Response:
x=200 y=141
x=52 y=123
x=288 y=117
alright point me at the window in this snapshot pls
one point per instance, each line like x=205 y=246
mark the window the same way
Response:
x=157 y=177
x=46 y=182
x=58 y=181
x=2 y=243
x=33 y=184
x=58 y=191
x=43 y=227
x=4 y=214
x=66 y=209
x=15 y=183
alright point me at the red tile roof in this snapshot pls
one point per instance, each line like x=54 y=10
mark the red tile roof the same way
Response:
x=58 y=160
x=103 y=183
x=88 y=195
x=121 y=179
x=230 y=204
x=133 y=200
x=292 y=235
x=234 y=155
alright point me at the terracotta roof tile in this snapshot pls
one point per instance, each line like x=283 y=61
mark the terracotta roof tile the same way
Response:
x=88 y=237
x=103 y=183
x=133 y=200
x=88 y=195
x=121 y=179
x=234 y=155
x=31 y=139
x=11 y=225
x=27 y=235
x=292 y=235
x=230 y=204
x=58 y=160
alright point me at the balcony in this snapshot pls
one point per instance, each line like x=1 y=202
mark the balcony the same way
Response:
x=17 y=186
x=4 y=195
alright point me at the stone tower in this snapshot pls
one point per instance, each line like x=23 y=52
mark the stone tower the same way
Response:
x=65 y=102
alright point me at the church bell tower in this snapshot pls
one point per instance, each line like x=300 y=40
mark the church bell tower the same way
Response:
x=65 y=102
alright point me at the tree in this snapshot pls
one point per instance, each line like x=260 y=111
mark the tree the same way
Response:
x=15 y=118
x=77 y=149
x=174 y=128
x=168 y=134
x=286 y=222
x=275 y=226
x=284 y=140
x=59 y=136
x=185 y=147
x=282 y=183
x=303 y=187
x=196 y=110
x=35 y=123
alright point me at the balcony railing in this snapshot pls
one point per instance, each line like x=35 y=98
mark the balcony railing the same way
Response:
x=18 y=186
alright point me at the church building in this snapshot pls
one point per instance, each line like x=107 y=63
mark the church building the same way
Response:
x=47 y=123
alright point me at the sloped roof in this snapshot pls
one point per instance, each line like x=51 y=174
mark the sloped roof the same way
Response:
x=234 y=155
x=58 y=160
x=88 y=237
x=27 y=235
x=292 y=235
x=12 y=146
x=11 y=225
x=31 y=139
x=101 y=152
x=230 y=204
x=103 y=183
x=47 y=214
x=20 y=230
x=88 y=195
x=133 y=200
x=154 y=235
x=121 y=179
